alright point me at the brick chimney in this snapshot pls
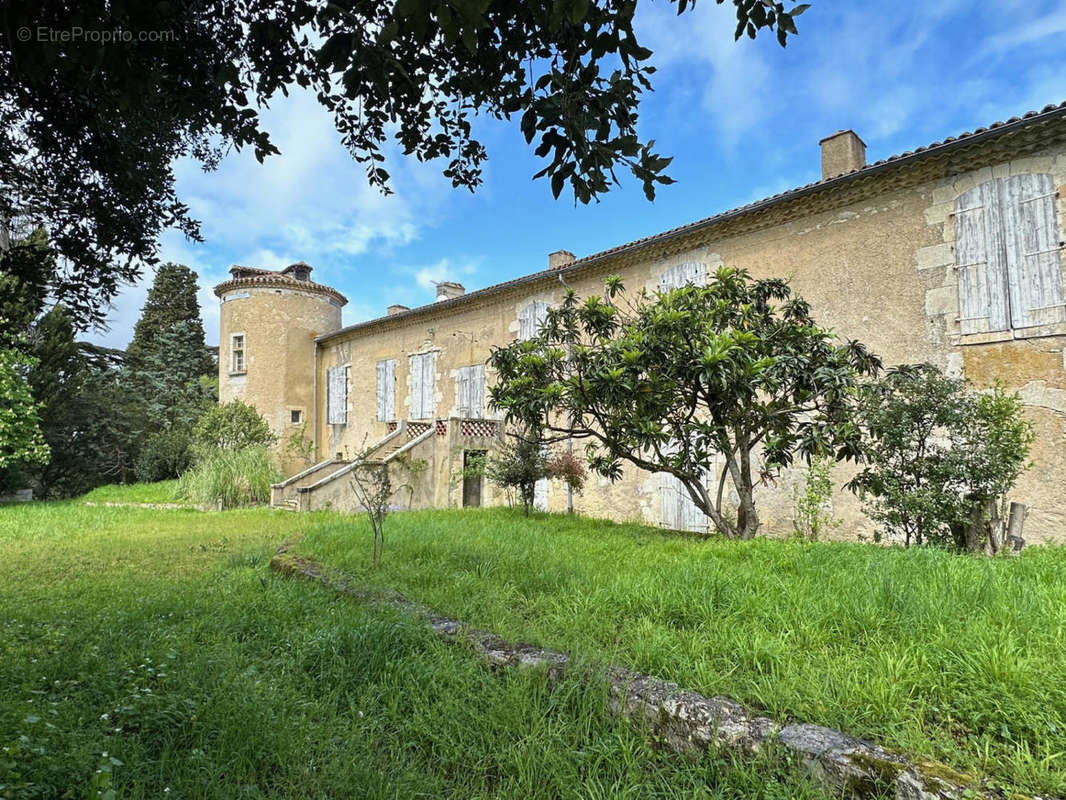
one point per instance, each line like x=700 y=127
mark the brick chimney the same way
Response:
x=560 y=259
x=446 y=290
x=842 y=152
x=396 y=308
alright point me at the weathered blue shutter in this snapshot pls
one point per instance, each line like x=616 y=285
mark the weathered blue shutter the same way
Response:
x=429 y=376
x=477 y=391
x=1033 y=250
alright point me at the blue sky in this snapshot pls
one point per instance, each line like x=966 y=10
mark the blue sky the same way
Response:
x=742 y=120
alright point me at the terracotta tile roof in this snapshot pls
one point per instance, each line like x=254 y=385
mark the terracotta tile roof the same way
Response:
x=949 y=144
x=256 y=276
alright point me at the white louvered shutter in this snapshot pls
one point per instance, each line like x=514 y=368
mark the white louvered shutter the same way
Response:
x=423 y=376
x=530 y=320
x=689 y=273
x=1033 y=256
x=416 y=387
x=980 y=259
x=463 y=381
x=477 y=391
x=337 y=395
x=386 y=390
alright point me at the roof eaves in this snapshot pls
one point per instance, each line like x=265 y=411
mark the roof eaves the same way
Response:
x=871 y=170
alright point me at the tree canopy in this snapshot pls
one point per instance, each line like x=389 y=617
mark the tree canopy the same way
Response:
x=668 y=383
x=98 y=99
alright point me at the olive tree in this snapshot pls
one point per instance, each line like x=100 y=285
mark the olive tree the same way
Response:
x=668 y=382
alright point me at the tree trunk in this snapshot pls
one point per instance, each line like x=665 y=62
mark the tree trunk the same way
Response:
x=1018 y=513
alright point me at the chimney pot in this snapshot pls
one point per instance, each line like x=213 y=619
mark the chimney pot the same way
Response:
x=560 y=259
x=842 y=152
x=446 y=290
x=396 y=308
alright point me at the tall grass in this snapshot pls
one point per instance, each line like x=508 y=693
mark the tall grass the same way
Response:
x=240 y=477
x=159 y=639
x=956 y=658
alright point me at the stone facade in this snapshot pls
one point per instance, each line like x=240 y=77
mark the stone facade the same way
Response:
x=278 y=314
x=873 y=250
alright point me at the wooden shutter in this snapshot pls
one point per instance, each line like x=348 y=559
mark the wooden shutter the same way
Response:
x=540 y=495
x=337 y=395
x=689 y=273
x=386 y=390
x=1033 y=257
x=429 y=376
x=463 y=382
x=980 y=259
x=530 y=319
x=477 y=391
x=416 y=387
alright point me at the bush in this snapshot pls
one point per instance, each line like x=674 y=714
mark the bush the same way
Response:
x=232 y=426
x=939 y=455
x=569 y=469
x=517 y=466
x=165 y=455
x=240 y=477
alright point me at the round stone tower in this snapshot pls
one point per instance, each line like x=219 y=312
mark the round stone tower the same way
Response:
x=268 y=321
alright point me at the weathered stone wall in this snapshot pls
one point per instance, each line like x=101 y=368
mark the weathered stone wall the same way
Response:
x=879 y=269
x=280 y=326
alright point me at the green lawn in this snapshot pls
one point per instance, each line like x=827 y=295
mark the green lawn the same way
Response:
x=161 y=492
x=957 y=658
x=158 y=645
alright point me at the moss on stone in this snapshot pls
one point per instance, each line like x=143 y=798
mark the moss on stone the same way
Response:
x=933 y=772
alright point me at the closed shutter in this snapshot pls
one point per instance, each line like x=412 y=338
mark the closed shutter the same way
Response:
x=540 y=495
x=471 y=388
x=980 y=258
x=337 y=395
x=386 y=390
x=477 y=391
x=463 y=381
x=416 y=387
x=678 y=511
x=692 y=273
x=1031 y=239
x=530 y=320
x=429 y=368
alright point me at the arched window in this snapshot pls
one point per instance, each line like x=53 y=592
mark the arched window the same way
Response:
x=1008 y=255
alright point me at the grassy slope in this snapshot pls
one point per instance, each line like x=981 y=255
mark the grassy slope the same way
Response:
x=957 y=658
x=160 y=639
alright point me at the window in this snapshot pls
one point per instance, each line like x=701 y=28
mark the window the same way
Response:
x=530 y=319
x=691 y=272
x=471 y=385
x=423 y=379
x=386 y=390
x=337 y=395
x=236 y=353
x=296 y=416
x=1007 y=255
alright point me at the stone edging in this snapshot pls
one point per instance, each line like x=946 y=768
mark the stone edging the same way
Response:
x=687 y=721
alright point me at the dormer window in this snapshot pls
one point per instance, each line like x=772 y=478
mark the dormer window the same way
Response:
x=1008 y=255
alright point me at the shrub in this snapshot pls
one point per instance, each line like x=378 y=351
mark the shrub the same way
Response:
x=232 y=426
x=240 y=477
x=939 y=455
x=517 y=466
x=164 y=455
x=570 y=469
